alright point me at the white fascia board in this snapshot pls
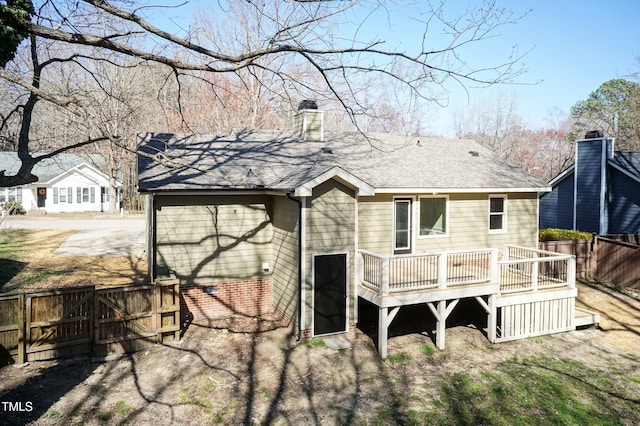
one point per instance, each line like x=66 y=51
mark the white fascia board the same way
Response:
x=624 y=171
x=562 y=175
x=425 y=190
x=362 y=188
x=77 y=169
x=210 y=193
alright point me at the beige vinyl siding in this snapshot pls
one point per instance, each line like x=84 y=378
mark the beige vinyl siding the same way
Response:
x=330 y=228
x=468 y=223
x=375 y=223
x=205 y=242
x=285 y=255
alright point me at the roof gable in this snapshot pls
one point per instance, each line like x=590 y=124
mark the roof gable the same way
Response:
x=49 y=169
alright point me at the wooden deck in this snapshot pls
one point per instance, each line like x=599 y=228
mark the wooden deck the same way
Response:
x=528 y=292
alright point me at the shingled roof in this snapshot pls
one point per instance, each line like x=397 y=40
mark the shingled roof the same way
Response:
x=281 y=161
x=46 y=169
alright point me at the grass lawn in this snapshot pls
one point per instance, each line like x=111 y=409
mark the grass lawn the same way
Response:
x=28 y=261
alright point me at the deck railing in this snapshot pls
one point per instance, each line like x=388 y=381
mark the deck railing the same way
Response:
x=521 y=269
x=527 y=269
x=400 y=273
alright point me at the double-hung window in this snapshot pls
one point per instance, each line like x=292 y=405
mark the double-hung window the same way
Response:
x=433 y=216
x=497 y=214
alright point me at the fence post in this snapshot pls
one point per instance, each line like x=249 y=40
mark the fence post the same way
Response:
x=22 y=341
x=534 y=275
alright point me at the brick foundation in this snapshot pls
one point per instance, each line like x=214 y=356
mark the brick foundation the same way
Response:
x=205 y=302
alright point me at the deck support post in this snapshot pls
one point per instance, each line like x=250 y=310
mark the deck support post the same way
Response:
x=492 y=315
x=383 y=331
x=384 y=321
x=441 y=312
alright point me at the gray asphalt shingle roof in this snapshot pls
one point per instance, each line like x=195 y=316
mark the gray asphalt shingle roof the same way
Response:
x=278 y=160
x=47 y=169
x=629 y=161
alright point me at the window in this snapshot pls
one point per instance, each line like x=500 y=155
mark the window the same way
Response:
x=497 y=214
x=11 y=194
x=402 y=226
x=433 y=216
x=63 y=195
x=82 y=195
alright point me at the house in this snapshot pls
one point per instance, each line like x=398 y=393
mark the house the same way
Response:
x=599 y=193
x=66 y=183
x=306 y=221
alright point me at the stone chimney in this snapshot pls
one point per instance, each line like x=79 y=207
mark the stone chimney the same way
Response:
x=309 y=121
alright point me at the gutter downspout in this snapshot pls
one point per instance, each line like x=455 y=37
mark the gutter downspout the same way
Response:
x=151 y=236
x=300 y=268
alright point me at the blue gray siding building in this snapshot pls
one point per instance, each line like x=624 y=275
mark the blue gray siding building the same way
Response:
x=599 y=193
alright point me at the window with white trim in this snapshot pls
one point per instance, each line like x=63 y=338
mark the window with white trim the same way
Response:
x=433 y=216
x=62 y=195
x=497 y=214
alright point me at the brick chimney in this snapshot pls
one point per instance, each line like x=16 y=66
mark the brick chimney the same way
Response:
x=309 y=121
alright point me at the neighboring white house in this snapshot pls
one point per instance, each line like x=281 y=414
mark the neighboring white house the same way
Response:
x=67 y=183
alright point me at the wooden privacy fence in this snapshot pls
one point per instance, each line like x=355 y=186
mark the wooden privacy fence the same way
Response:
x=611 y=258
x=84 y=320
x=618 y=262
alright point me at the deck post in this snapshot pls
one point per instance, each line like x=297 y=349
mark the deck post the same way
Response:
x=382 y=331
x=384 y=272
x=442 y=270
x=494 y=269
x=441 y=324
x=534 y=275
x=492 y=319
x=571 y=271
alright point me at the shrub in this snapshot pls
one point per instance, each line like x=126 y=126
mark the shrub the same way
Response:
x=553 y=234
x=13 y=207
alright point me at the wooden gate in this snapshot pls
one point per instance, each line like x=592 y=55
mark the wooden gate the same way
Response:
x=58 y=323
x=130 y=319
x=11 y=330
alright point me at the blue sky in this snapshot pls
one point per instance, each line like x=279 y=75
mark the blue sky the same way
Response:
x=574 y=47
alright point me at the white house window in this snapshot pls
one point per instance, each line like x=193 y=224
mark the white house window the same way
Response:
x=497 y=214
x=63 y=195
x=10 y=194
x=433 y=216
x=86 y=195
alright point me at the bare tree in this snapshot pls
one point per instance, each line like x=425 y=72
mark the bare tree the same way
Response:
x=494 y=123
x=286 y=35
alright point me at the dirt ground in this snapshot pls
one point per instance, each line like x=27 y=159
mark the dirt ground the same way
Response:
x=221 y=373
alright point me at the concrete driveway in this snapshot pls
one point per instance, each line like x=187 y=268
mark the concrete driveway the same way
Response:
x=94 y=237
